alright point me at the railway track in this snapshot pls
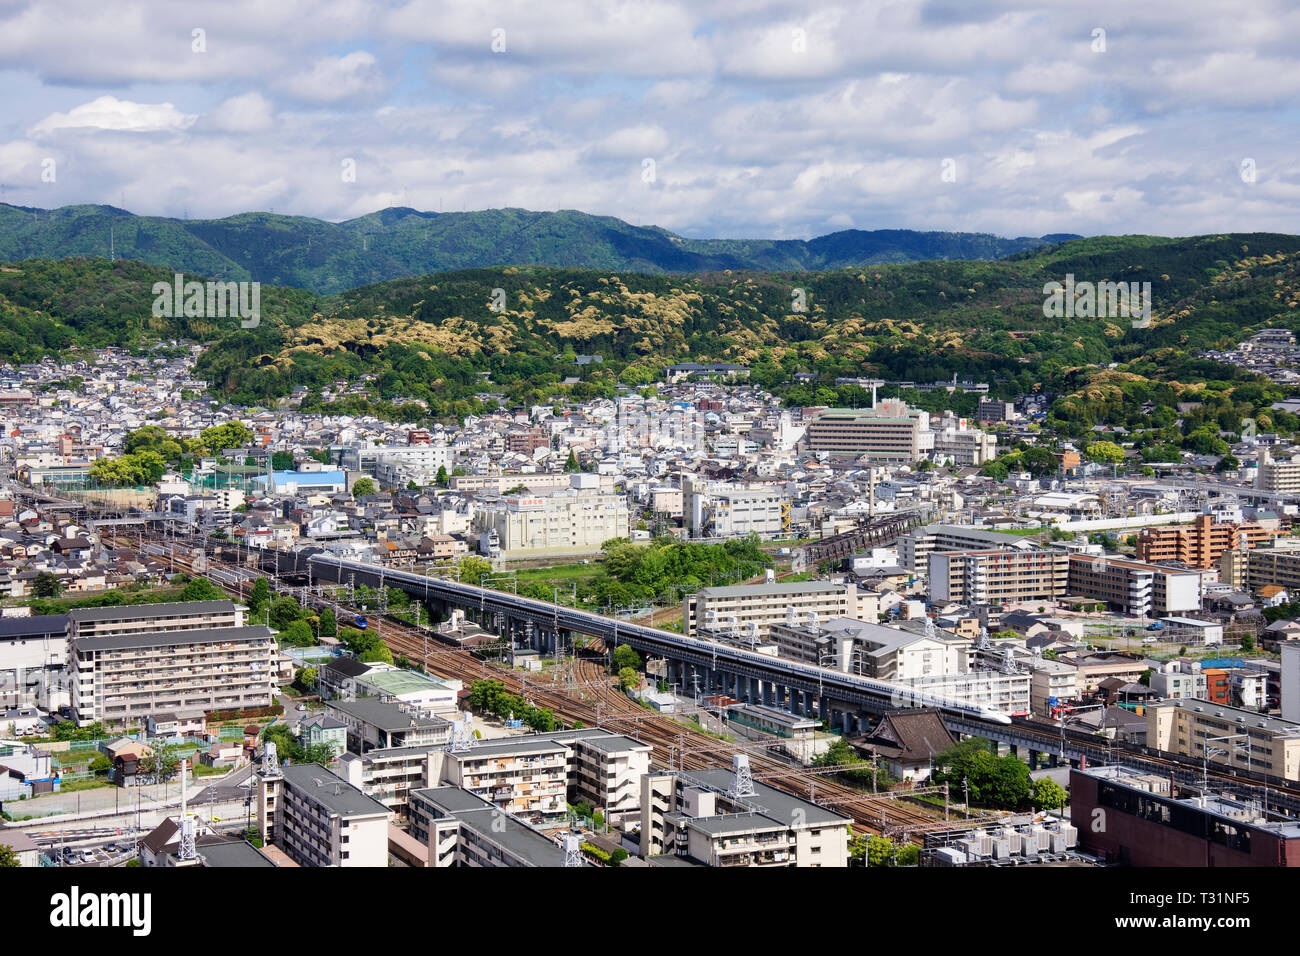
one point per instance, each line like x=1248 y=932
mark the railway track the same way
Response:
x=591 y=697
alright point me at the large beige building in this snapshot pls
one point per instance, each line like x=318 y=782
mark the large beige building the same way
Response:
x=1000 y=576
x=915 y=547
x=889 y=433
x=749 y=610
x=568 y=521
x=698 y=816
x=125 y=678
x=1187 y=727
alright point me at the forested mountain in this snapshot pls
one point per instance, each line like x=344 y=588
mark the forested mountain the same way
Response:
x=428 y=345
x=397 y=242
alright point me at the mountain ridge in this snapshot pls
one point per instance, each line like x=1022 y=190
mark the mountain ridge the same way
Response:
x=402 y=242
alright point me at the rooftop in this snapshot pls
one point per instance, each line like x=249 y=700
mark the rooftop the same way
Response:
x=202 y=635
x=332 y=791
x=134 y=612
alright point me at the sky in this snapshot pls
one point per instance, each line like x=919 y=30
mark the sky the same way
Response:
x=737 y=119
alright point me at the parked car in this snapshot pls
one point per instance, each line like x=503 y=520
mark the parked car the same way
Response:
x=302 y=706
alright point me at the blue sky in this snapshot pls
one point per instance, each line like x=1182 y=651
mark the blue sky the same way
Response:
x=760 y=118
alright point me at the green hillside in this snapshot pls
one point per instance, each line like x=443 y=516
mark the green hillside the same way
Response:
x=398 y=242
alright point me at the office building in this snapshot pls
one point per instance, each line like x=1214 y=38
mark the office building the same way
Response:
x=890 y=433
x=1134 y=819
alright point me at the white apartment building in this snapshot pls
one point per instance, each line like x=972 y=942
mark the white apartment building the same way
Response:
x=1051 y=683
x=965 y=445
x=915 y=547
x=569 y=521
x=1279 y=476
x=413 y=459
x=126 y=678
x=873 y=650
x=698 y=816
x=1133 y=587
x=148 y=618
x=751 y=609
x=998 y=576
x=319 y=819
x=1179 y=680
x=458 y=828
x=524 y=776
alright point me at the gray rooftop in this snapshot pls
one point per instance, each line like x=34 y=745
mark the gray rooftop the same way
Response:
x=1234 y=715
x=776 y=806
x=200 y=635
x=496 y=827
x=38 y=625
x=383 y=715
x=134 y=612
x=761 y=590
x=332 y=791
x=232 y=853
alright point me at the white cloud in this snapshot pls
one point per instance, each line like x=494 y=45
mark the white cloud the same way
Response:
x=249 y=113
x=110 y=113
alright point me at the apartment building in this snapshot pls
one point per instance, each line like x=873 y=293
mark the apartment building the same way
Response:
x=873 y=650
x=605 y=770
x=390 y=774
x=568 y=521
x=33 y=661
x=523 y=776
x=376 y=724
x=150 y=618
x=1263 y=744
x=1133 y=587
x=319 y=819
x=888 y=433
x=1007 y=693
x=459 y=828
x=1180 y=680
x=1278 y=566
x=753 y=608
x=915 y=547
x=1280 y=477
x=1051 y=683
x=1199 y=544
x=736 y=512
x=125 y=678
x=999 y=576
x=699 y=816
x=421 y=458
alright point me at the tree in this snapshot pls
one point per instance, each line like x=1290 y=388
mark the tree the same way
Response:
x=328 y=624
x=471 y=569
x=307 y=678
x=201 y=589
x=624 y=657
x=162 y=761
x=282 y=461
x=442 y=478
x=1248 y=642
x=628 y=678
x=378 y=653
x=260 y=594
x=46 y=585
x=362 y=487
x=571 y=463
x=229 y=435
x=297 y=634
x=8 y=858
x=1048 y=794
x=100 y=765
x=321 y=753
x=1106 y=452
